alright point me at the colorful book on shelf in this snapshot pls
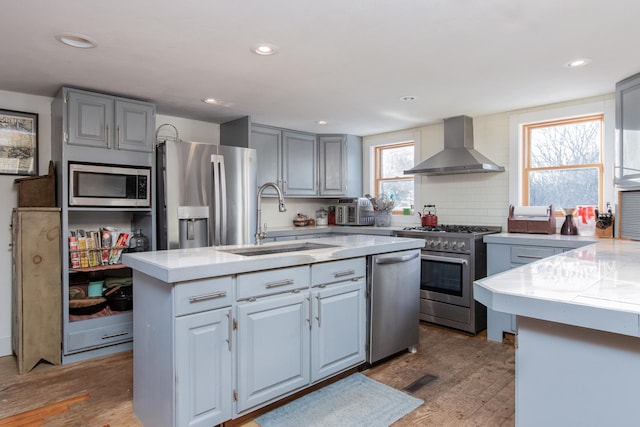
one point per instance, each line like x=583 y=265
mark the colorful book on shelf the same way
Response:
x=117 y=249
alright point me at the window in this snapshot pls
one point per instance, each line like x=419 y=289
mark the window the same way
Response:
x=391 y=161
x=563 y=162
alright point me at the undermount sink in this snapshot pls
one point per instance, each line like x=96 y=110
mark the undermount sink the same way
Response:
x=266 y=250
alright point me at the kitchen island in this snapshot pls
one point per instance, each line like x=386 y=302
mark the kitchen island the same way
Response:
x=222 y=331
x=578 y=334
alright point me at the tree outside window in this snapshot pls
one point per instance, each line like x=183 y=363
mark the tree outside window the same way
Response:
x=390 y=163
x=563 y=162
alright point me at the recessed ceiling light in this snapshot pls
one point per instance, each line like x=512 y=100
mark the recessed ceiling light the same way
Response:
x=408 y=98
x=321 y=122
x=580 y=62
x=76 y=40
x=210 y=101
x=264 y=49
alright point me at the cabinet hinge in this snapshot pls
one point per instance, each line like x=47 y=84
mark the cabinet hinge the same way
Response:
x=66 y=98
x=235 y=396
x=235 y=324
x=66 y=137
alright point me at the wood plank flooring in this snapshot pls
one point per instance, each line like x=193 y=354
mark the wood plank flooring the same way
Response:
x=474 y=385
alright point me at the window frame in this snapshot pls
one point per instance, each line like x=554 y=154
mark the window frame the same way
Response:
x=526 y=153
x=377 y=167
x=597 y=105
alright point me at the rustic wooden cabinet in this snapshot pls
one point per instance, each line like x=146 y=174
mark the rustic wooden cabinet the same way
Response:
x=36 y=293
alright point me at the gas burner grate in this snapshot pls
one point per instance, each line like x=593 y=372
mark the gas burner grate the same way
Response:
x=445 y=228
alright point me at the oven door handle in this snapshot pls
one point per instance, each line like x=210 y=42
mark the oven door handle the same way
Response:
x=444 y=259
x=397 y=259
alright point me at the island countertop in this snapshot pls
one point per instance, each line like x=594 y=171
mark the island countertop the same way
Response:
x=595 y=286
x=179 y=265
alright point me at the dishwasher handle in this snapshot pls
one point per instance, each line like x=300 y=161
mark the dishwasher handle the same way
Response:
x=397 y=259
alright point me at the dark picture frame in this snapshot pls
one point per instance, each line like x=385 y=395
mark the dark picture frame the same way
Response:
x=18 y=143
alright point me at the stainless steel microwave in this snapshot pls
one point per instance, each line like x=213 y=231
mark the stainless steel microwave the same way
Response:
x=109 y=185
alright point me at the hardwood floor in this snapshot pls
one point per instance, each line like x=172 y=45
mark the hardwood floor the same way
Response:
x=474 y=385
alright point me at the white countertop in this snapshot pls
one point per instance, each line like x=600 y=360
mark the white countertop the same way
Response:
x=552 y=240
x=319 y=229
x=595 y=286
x=189 y=264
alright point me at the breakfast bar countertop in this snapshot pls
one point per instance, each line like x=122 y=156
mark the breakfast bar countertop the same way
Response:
x=596 y=286
x=179 y=265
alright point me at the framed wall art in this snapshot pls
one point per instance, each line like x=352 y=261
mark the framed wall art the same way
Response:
x=18 y=143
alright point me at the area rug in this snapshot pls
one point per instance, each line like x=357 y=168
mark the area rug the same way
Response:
x=353 y=401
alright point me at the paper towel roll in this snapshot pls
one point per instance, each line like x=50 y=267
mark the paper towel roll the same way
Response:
x=531 y=212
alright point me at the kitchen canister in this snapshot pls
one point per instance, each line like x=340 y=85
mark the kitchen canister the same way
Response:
x=95 y=288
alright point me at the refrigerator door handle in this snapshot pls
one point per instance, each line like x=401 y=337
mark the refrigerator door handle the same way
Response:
x=223 y=202
x=215 y=199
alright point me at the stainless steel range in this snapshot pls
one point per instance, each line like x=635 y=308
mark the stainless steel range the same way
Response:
x=452 y=258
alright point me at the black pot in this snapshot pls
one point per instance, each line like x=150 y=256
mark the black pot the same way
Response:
x=120 y=300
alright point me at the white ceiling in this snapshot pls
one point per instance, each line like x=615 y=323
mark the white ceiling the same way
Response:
x=344 y=61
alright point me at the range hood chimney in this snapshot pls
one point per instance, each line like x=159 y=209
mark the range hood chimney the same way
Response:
x=458 y=155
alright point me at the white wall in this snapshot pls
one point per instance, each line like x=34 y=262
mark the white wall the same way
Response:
x=483 y=199
x=190 y=130
x=31 y=104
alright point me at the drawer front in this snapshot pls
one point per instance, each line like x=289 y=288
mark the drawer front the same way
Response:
x=101 y=336
x=202 y=295
x=272 y=282
x=527 y=254
x=337 y=271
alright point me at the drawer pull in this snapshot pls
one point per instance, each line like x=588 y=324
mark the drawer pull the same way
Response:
x=119 y=334
x=279 y=283
x=205 y=297
x=344 y=273
x=530 y=256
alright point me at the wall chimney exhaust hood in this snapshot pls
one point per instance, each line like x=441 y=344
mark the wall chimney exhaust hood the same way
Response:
x=458 y=155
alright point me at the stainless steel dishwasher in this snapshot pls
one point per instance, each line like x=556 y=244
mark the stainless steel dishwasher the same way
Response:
x=393 y=285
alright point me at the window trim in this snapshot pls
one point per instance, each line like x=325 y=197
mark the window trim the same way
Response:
x=368 y=164
x=526 y=155
x=377 y=155
x=597 y=105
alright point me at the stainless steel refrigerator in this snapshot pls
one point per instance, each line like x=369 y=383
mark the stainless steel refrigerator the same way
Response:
x=206 y=194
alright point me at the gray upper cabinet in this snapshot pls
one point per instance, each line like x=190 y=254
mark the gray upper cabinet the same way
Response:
x=287 y=158
x=135 y=123
x=90 y=119
x=302 y=164
x=628 y=133
x=340 y=165
x=299 y=164
x=104 y=121
x=267 y=142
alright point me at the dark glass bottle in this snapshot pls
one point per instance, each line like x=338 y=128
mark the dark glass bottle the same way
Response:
x=569 y=227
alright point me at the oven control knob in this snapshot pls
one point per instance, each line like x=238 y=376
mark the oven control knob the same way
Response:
x=461 y=246
x=454 y=245
x=437 y=244
x=445 y=245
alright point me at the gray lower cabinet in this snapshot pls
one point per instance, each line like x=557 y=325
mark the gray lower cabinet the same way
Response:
x=210 y=350
x=203 y=368
x=104 y=121
x=338 y=317
x=502 y=257
x=273 y=348
x=292 y=339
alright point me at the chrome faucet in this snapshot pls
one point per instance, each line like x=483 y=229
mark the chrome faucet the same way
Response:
x=261 y=232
